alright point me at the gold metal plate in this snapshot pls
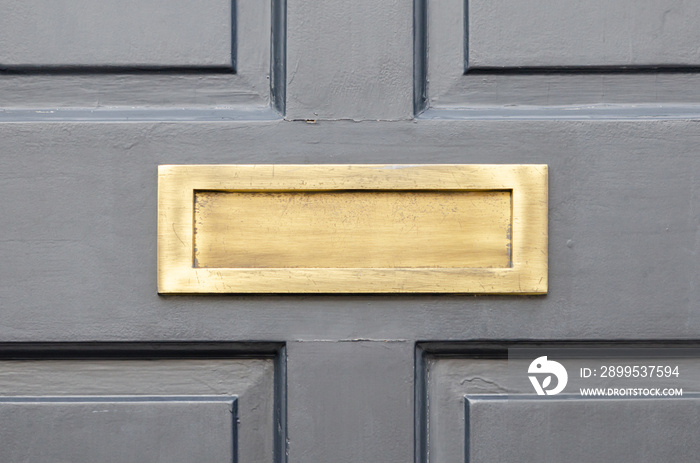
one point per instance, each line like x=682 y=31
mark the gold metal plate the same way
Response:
x=352 y=229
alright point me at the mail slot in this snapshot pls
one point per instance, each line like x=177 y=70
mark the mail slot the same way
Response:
x=355 y=228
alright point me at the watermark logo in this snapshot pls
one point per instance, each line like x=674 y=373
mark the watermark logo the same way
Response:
x=543 y=370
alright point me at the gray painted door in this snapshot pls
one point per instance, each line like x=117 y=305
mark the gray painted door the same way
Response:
x=96 y=366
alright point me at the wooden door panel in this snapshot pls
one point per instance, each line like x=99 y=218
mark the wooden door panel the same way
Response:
x=113 y=33
x=83 y=129
x=125 y=402
x=573 y=33
x=483 y=59
x=93 y=60
x=510 y=430
x=119 y=429
x=474 y=404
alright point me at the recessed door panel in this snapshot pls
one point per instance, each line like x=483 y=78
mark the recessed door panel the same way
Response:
x=117 y=33
x=475 y=405
x=128 y=403
x=576 y=429
x=574 y=33
x=119 y=429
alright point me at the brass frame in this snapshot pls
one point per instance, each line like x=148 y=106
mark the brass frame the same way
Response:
x=177 y=184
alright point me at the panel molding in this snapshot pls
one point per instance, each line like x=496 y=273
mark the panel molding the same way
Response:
x=447 y=86
x=47 y=353
x=490 y=382
x=249 y=86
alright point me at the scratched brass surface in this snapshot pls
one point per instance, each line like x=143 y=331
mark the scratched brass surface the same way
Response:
x=352 y=229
